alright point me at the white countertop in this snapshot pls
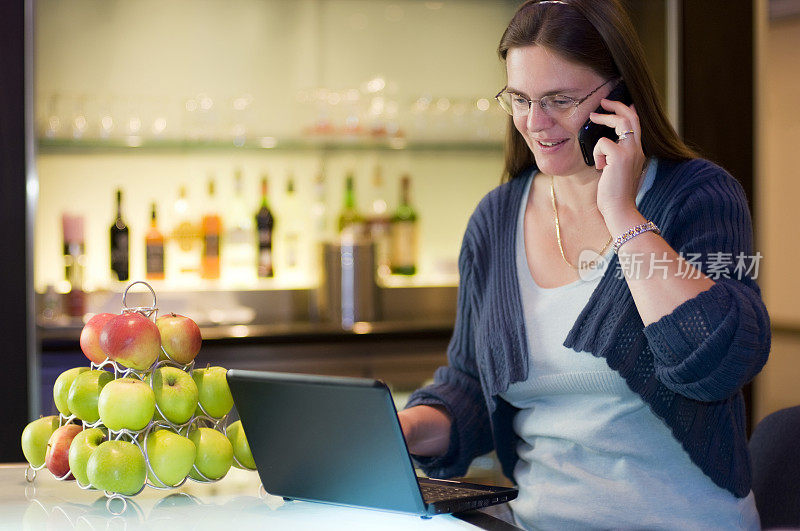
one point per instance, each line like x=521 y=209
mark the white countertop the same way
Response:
x=232 y=503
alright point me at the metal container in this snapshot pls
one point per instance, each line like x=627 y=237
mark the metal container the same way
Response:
x=348 y=284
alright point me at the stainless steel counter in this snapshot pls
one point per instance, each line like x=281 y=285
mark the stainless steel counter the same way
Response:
x=278 y=315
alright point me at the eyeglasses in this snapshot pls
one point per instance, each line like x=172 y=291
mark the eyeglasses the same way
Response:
x=554 y=105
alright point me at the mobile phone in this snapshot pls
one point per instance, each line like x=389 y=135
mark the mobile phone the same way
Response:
x=591 y=132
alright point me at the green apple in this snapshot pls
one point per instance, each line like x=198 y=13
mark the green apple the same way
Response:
x=117 y=466
x=214 y=453
x=85 y=392
x=126 y=403
x=176 y=393
x=81 y=449
x=171 y=457
x=241 y=448
x=35 y=437
x=213 y=391
x=61 y=388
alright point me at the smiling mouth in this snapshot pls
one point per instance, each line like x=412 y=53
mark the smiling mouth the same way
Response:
x=551 y=144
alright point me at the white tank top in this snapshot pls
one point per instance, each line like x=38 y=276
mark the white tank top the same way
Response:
x=592 y=453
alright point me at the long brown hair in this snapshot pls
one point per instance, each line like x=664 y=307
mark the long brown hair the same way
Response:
x=597 y=34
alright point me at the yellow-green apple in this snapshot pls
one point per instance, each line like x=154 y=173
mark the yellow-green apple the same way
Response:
x=90 y=337
x=213 y=391
x=61 y=388
x=126 y=403
x=35 y=437
x=171 y=457
x=176 y=393
x=241 y=448
x=132 y=340
x=180 y=337
x=85 y=392
x=214 y=453
x=81 y=449
x=117 y=466
x=57 y=456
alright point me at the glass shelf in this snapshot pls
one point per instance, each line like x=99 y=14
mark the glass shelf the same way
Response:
x=48 y=145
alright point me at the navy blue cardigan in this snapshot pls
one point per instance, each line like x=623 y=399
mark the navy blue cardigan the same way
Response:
x=689 y=366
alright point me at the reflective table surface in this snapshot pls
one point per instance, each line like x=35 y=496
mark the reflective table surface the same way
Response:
x=235 y=502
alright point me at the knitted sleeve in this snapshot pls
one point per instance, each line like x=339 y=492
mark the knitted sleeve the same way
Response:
x=713 y=344
x=457 y=388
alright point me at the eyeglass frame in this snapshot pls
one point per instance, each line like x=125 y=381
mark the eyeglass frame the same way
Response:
x=575 y=102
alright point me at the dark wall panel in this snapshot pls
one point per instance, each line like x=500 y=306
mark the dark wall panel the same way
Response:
x=13 y=322
x=718 y=104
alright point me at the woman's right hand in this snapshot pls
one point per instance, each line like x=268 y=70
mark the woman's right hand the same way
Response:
x=426 y=429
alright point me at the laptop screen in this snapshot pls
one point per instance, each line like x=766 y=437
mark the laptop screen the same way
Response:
x=328 y=439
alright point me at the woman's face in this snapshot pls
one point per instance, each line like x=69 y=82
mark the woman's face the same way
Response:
x=533 y=72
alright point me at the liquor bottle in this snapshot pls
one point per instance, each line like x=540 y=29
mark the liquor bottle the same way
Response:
x=211 y=229
x=350 y=221
x=403 y=234
x=265 y=223
x=154 y=249
x=319 y=209
x=291 y=233
x=239 y=254
x=378 y=221
x=119 y=245
x=74 y=262
x=184 y=246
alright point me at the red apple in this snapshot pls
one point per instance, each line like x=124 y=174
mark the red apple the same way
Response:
x=56 y=458
x=90 y=337
x=132 y=340
x=180 y=337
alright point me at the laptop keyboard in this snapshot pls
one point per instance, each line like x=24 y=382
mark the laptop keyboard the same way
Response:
x=435 y=493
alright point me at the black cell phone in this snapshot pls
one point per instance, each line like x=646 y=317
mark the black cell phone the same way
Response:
x=591 y=132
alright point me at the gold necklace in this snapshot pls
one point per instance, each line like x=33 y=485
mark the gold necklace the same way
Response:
x=591 y=264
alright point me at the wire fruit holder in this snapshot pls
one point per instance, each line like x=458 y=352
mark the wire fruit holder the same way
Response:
x=158 y=422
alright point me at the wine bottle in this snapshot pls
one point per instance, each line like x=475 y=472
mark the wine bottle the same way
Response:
x=211 y=229
x=319 y=209
x=265 y=223
x=350 y=221
x=238 y=256
x=184 y=246
x=290 y=231
x=403 y=234
x=154 y=249
x=74 y=261
x=378 y=221
x=119 y=244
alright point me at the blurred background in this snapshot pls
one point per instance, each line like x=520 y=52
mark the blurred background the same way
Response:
x=296 y=176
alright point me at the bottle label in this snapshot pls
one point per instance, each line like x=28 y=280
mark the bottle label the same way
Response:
x=119 y=255
x=265 y=269
x=265 y=263
x=264 y=238
x=154 y=259
x=186 y=236
x=211 y=248
x=403 y=252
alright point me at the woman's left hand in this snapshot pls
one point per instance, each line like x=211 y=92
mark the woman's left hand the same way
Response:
x=621 y=162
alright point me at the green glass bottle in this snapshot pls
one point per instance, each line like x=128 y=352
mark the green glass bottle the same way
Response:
x=403 y=234
x=350 y=221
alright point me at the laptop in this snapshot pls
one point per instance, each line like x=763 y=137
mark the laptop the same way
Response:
x=338 y=440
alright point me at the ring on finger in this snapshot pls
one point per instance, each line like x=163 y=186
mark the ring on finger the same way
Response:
x=623 y=135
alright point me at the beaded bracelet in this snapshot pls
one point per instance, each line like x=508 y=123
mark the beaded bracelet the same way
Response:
x=632 y=233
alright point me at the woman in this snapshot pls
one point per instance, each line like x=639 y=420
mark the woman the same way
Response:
x=611 y=394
